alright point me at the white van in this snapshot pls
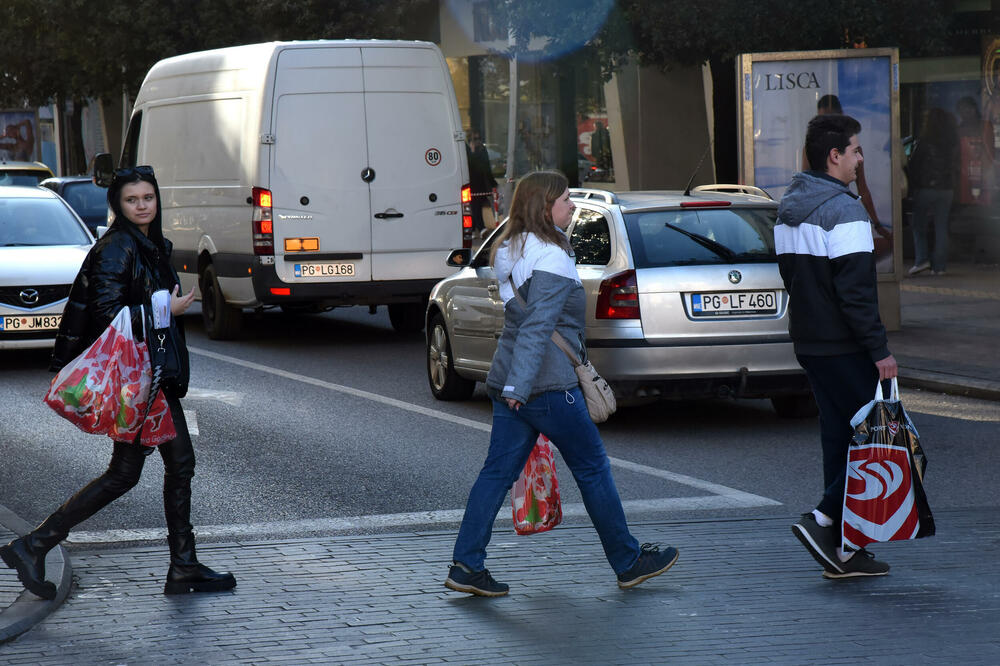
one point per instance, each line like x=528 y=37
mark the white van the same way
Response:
x=306 y=174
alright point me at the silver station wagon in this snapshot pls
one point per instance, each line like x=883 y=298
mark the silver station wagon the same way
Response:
x=684 y=300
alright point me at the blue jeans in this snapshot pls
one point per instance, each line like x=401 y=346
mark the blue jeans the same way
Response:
x=563 y=417
x=931 y=204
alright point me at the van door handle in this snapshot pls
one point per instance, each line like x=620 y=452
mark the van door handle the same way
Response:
x=391 y=212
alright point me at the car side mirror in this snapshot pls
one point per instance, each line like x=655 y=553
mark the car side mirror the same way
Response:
x=104 y=169
x=460 y=258
x=101 y=230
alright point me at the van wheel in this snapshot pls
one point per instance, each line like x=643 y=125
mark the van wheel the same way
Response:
x=799 y=406
x=222 y=321
x=445 y=382
x=407 y=317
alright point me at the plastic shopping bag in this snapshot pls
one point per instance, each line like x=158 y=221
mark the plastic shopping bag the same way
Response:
x=104 y=390
x=535 y=495
x=884 y=498
x=157 y=423
x=86 y=390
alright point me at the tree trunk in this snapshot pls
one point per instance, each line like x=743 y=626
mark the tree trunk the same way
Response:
x=76 y=162
x=566 y=133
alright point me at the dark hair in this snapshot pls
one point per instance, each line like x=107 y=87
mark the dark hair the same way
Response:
x=531 y=210
x=829 y=103
x=970 y=103
x=826 y=133
x=129 y=176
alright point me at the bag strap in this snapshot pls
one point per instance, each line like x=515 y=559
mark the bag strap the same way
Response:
x=154 y=388
x=556 y=336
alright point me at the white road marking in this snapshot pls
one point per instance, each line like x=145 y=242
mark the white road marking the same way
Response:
x=450 y=516
x=192 y=421
x=233 y=398
x=722 y=497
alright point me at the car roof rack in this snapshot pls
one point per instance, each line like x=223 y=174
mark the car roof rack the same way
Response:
x=589 y=193
x=733 y=189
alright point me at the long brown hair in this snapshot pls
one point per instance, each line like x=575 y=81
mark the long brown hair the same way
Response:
x=531 y=211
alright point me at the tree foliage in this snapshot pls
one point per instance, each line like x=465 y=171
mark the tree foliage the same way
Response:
x=75 y=49
x=666 y=33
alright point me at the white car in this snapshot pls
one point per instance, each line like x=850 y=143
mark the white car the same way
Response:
x=684 y=300
x=42 y=245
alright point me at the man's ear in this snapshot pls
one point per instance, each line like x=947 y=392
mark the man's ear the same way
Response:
x=833 y=157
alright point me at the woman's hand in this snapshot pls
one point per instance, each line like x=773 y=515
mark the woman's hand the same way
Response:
x=179 y=304
x=513 y=404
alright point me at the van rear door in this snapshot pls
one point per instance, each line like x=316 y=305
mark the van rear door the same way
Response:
x=415 y=155
x=320 y=149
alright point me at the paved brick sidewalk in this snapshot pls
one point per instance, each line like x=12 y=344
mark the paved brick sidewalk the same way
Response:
x=743 y=591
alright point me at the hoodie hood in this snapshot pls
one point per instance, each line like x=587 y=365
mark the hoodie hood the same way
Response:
x=503 y=262
x=808 y=191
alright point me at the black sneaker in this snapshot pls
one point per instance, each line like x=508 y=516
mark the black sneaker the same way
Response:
x=480 y=583
x=862 y=563
x=820 y=542
x=652 y=562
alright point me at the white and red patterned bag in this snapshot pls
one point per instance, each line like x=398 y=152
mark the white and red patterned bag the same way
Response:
x=535 y=495
x=105 y=389
x=884 y=498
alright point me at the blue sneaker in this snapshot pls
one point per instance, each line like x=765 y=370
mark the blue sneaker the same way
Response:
x=480 y=583
x=652 y=562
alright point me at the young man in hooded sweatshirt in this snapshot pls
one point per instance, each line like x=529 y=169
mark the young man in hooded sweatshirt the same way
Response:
x=826 y=258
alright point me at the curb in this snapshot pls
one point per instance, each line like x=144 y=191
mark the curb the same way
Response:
x=28 y=610
x=942 y=382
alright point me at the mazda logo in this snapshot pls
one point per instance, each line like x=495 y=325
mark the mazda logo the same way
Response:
x=29 y=296
x=735 y=277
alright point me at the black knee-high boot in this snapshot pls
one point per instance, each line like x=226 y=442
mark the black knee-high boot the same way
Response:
x=27 y=553
x=185 y=574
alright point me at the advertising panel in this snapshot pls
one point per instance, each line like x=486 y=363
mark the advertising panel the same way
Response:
x=780 y=93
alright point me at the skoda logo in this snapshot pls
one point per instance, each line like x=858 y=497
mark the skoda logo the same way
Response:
x=29 y=296
x=735 y=277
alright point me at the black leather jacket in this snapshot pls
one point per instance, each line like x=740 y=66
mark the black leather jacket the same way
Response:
x=123 y=268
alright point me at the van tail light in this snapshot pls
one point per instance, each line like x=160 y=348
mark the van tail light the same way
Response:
x=618 y=297
x=467 y=216
x=263 y=222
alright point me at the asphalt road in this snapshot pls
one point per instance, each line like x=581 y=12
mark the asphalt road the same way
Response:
x=325 y=424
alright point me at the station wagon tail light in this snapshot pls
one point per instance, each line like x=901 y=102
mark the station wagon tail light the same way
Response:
x=263 y=223
x=705 y=204
x=467 y=216
x=618 y=297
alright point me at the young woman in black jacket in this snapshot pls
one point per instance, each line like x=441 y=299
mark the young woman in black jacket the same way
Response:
x=124 y=268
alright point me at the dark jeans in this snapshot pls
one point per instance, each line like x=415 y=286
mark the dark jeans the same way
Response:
x=842 y=385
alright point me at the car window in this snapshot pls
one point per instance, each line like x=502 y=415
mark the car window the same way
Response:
x=27 y=177
x=591 y=239
x=86 y=198
x=26 y=221
x=746 y=233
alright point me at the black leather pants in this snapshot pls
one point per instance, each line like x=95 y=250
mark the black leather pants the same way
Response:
x=122 y=475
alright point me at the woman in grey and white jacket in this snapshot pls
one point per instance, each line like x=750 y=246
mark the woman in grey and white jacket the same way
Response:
x=535 y=390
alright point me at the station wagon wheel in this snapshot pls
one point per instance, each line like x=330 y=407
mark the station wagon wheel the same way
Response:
x=799 y=406
x=221 y=320
x=445 y=383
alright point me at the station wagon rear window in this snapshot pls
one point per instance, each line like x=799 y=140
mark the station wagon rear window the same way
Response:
x=701 y=236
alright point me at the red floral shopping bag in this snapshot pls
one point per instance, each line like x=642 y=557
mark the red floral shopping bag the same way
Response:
x=884 y=498
x=535 y=495
x=104 y=390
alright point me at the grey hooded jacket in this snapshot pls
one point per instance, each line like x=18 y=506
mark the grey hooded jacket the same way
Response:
x=825 y=253
x=527 y=362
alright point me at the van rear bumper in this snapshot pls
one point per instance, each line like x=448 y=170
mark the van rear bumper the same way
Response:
x=338 y=293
